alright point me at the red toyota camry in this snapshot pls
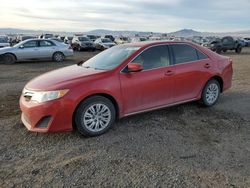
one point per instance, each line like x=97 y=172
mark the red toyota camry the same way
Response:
x=121 y=81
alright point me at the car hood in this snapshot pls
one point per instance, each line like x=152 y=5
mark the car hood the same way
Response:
x=60 y=78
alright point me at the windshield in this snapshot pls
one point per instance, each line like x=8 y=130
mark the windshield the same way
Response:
x=106 y=40
x=4 y=39
x=110 y=58
x=83 y=39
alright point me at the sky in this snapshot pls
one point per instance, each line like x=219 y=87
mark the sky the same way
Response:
x=138 y=15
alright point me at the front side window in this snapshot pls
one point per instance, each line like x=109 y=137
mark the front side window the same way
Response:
x=30 y=44
x=45 y=43
x=184 y=53
x=154 y=57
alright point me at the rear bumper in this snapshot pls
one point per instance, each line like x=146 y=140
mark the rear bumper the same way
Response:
x=68 y=53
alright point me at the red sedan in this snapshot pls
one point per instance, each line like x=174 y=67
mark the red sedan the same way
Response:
x=121 y=81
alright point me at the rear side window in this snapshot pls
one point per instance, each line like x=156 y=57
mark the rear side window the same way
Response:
x=154 y=57
x=46 y=43
x=184 y=53
x=201 y=55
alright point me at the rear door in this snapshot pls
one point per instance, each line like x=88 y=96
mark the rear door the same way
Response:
x=46 y=48
x=29 y=50
x=152 y=87
x=190 y=69
x=228 y=43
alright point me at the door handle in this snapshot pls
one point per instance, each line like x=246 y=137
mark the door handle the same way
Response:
x=207 y=65
x=169 y=73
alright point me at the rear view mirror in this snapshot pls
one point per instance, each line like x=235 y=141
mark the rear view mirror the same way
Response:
x=135 y=67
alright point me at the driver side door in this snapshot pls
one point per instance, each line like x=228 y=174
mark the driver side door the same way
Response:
x=151 y=87
x=29 y=50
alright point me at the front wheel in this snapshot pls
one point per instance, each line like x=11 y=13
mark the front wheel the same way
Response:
x=95 y=116
x=8 y=59
x=211 y=93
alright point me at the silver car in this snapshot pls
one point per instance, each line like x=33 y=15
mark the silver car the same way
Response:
x=34 y=49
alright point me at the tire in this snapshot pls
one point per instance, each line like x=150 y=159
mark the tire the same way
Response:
x=8 y=59
x=238 y=49
x=211 y=93
x=218 y=50
x=91 y=122
x=58 y=57
x=79 y=49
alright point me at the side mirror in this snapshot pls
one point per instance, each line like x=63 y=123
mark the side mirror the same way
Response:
x=135 y=67
x=21 y=47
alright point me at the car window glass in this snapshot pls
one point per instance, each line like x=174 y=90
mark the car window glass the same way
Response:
x=30 y=44
x=45 y=43
x=184 y=53
x=201 y=55
x=154 y=57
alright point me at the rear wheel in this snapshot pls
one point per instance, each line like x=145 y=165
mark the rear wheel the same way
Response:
x=8 y=59
x=238 y=49
x=95 y=116
x=211 y=93
x=58 y=57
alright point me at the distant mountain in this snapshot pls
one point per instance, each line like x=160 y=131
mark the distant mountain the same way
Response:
x=180 y=33
x=117 y=33
x=186 y=33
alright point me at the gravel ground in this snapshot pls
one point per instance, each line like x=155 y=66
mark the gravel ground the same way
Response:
x=181 y=146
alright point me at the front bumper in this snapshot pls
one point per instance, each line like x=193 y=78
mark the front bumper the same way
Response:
x=52 y=116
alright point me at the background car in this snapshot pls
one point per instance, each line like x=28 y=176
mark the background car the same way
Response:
x=68 y=40
x=122 y=40
x=46 y=36
x=82 y=43
x=93 y=37
x=103 y=43
x=34 y=49
x=225 y=44
x=4 y=41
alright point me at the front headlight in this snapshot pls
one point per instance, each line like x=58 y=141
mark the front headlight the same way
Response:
x=45 y=96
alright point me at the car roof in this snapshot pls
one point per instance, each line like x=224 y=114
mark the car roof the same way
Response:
x=153 y=43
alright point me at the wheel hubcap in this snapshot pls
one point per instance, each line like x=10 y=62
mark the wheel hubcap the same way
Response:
x=212 y=93
x=97 y=117
x=58 y=57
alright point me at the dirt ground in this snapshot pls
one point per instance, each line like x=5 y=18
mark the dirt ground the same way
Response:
x=182 y=146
